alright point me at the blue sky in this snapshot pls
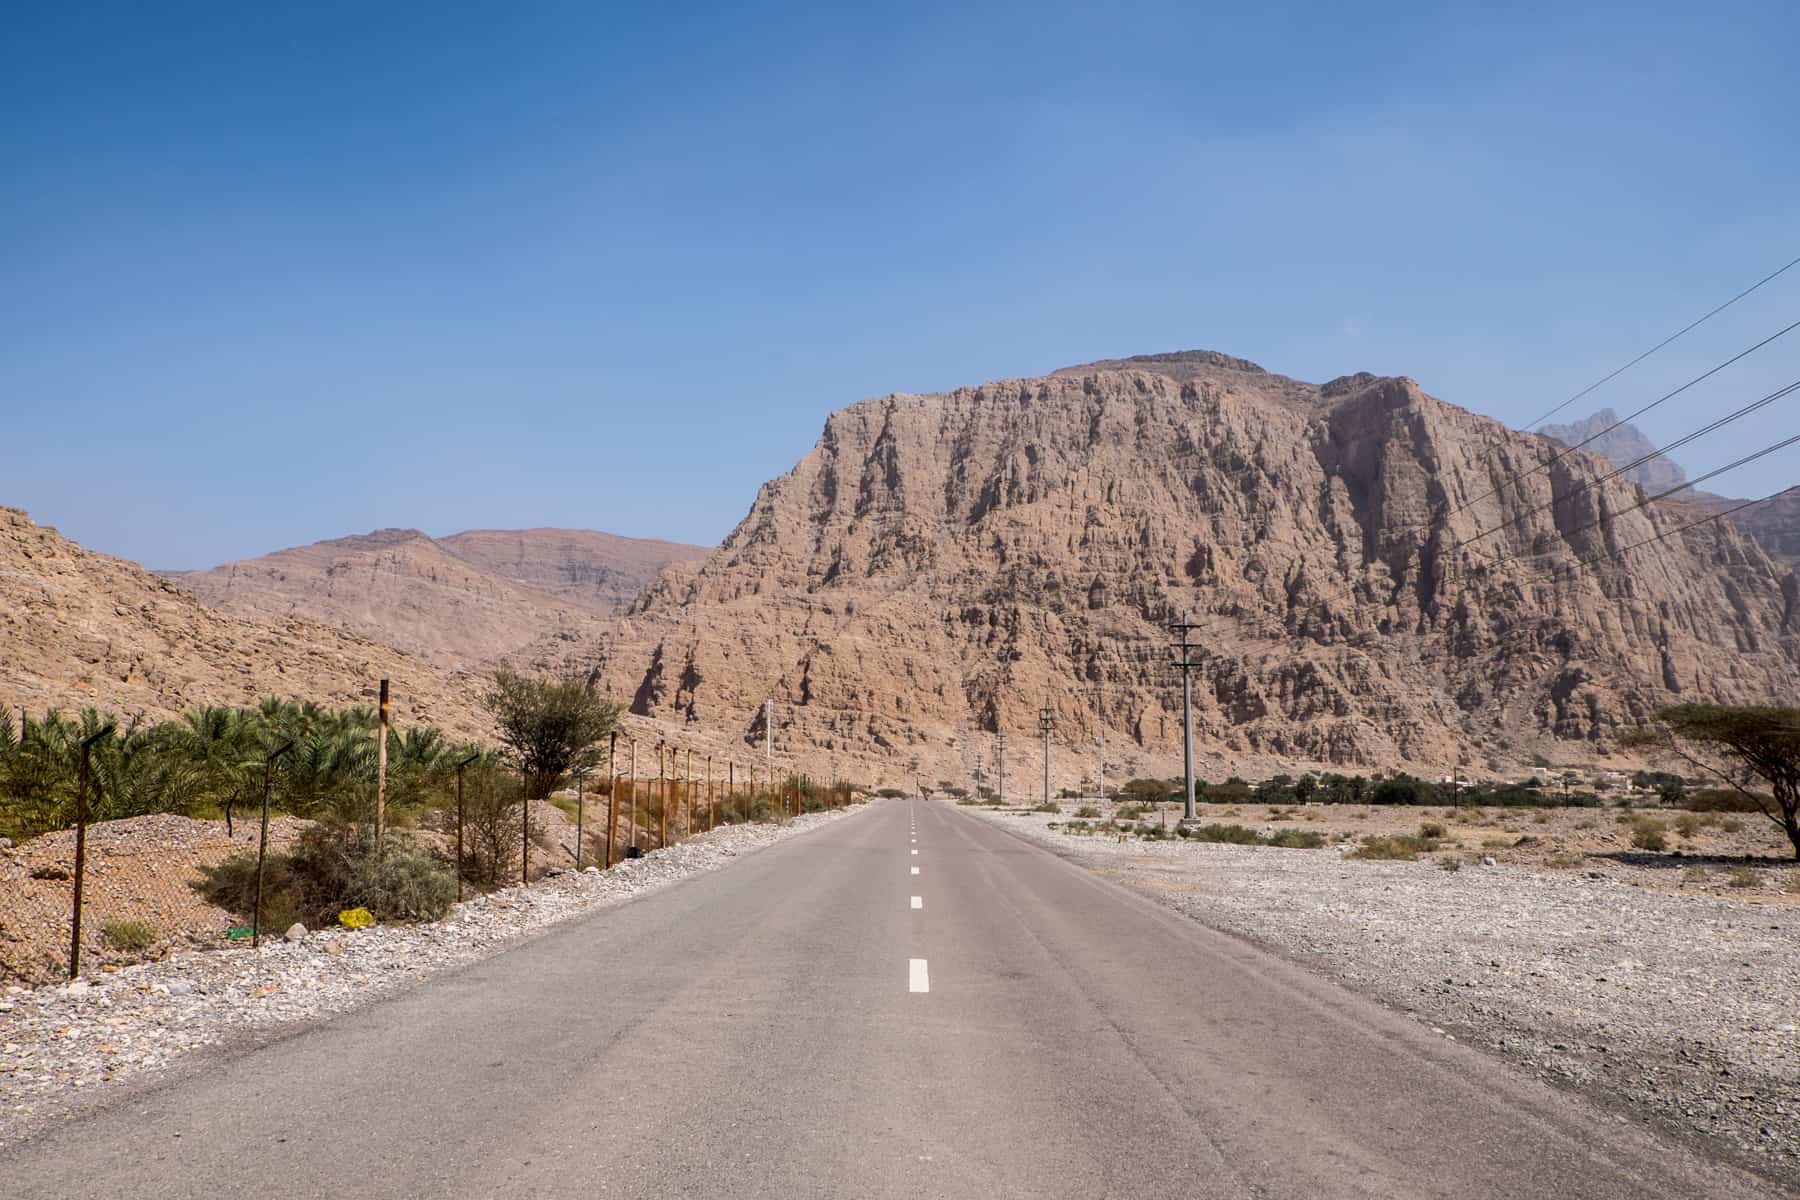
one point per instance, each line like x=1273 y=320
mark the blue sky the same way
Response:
x=272 y=277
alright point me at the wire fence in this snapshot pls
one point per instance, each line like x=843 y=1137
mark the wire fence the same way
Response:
x=100 y=894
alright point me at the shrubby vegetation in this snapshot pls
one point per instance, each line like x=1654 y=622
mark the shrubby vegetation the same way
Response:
x=209 y=763
x=335 y=867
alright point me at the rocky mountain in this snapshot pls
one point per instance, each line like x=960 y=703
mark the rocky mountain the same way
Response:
x=602 y=571
x=1621 y=445
x=1773 y=523
x=463 y=600
x=941 y=566
x=79 y=628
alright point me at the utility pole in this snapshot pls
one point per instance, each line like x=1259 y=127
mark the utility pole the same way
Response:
x=1187 y=665
x=631 y=791
x=81 y=822
x=1046 y=722
x=1102 y=741
x=1000 y=762
x=769 y=733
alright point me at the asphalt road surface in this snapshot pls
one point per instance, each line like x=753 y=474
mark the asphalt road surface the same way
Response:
x=837 y=1016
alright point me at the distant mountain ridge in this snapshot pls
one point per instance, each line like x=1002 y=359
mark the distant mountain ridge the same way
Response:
x=463 y=600
x=1620 y=443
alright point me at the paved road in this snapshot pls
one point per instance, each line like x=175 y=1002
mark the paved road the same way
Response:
x=820 y=1020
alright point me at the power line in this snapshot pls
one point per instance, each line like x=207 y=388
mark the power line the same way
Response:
x=1665 y=534
x=1688 y=328
x=1568 y=450
x=1713 y=427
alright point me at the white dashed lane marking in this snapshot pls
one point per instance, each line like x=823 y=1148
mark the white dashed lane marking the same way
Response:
x=915 y=870
x=918 y=902
x=918 y=978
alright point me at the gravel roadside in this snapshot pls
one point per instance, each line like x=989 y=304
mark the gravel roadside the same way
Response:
x=63 y=1047
x=1685 y=1009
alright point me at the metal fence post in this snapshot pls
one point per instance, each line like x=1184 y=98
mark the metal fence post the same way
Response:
x=262 y=843
x=612 y=798
x=580 y=810
x=81 y=819
x=459 y=823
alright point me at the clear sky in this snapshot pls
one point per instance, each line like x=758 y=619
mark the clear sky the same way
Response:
x=270 y=274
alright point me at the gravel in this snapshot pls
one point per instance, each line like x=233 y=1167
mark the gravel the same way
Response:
x=1684 y=1009
x=61 y=1047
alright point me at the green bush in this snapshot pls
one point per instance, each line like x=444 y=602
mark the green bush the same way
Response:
x=335 y=867
x=1431 y=829
x=1648 y=839
x=132 y=936
x=1088 y=812
x=1296 y=839
x=1400 y=847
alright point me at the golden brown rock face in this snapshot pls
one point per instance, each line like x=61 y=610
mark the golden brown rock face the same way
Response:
x=939 y=566
x=80 y=628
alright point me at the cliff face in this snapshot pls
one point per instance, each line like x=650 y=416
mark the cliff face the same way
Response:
x=942 y=565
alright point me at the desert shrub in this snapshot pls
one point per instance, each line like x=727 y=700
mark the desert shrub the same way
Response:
x=968 y=801
x=1431 y=829
x=1564 y=862
x=1731 y=825
x=1720 y=800
x=1688 y=824
x=891 y=793
x=132 y=936
x=1743 y=877
x=1048 y=806
x=1128 y=812
x=1792 y=882
x=1296 y=839
x=1237 y=835
x=335 y=867
x=1696 y=875
x=1400 y=847
x=1088 y=812
x=1542 y=818
x=1449 y=864
x=1645 y=837
x=491 y=824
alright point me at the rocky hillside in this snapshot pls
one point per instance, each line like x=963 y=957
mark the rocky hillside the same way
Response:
x=940 y=566
x=601 y=571
x=464 y=600
x=79 y=628
x=1773 y=523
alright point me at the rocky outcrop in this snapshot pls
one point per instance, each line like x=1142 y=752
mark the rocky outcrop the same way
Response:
x=1378 y=580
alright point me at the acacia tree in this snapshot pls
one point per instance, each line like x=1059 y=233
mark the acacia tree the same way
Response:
x=1759 y=742
x=550 y=725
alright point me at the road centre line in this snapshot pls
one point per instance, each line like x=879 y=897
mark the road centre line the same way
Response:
x=918 y=977
x=918 y=902
x=915 y=870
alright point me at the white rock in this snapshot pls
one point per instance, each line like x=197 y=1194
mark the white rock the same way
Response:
x=295 y=932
